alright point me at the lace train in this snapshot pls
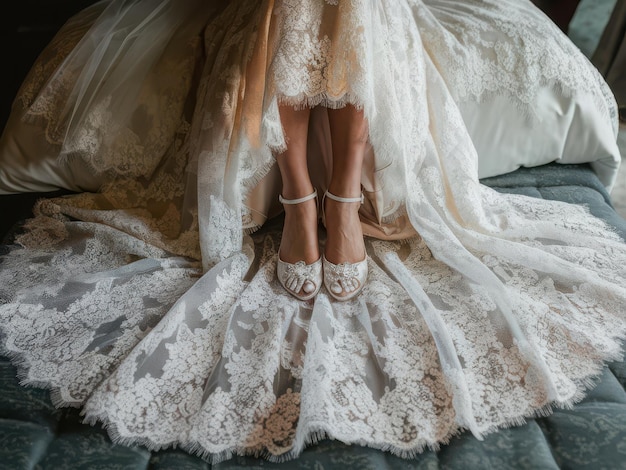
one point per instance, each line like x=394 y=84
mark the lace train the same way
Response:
x=154 y=306
x=164 y=356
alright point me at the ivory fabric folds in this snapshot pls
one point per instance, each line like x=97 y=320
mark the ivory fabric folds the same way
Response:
x=152 y=301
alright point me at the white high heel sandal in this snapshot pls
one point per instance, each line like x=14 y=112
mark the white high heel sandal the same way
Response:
x=301 y=280
x=344 y=280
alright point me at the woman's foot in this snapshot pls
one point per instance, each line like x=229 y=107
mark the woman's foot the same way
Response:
x=299 y=265
x=299 y=240
x=345 y=268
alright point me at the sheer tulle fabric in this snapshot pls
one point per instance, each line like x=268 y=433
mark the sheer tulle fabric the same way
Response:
x=155 y=307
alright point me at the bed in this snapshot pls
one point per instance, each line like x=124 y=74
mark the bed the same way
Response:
x=35 y=434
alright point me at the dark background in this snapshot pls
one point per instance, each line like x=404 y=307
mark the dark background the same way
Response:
x=26 y=26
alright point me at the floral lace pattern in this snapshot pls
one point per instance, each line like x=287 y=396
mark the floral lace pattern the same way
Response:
x=152 y=306
x=90 y=110
x=526 y=53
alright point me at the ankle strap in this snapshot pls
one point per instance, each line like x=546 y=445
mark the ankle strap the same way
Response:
x=344 y=199
x=313 y=195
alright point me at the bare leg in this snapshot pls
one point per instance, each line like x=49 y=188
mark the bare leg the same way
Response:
x=349 y=134
x=299 y=239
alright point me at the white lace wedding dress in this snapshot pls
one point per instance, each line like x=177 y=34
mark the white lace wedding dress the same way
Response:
x=153 y=304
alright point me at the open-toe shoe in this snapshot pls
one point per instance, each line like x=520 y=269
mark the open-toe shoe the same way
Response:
x=344 y=280
x=301 y=280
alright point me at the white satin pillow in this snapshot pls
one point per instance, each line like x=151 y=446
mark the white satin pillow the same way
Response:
x=28 y=163
x=564 y=129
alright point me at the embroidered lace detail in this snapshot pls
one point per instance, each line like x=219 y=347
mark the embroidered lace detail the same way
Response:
x=412 y=359
x=51 y=58
x=526 y=53
x=343 y=270
x=149 y=306
x=124 y=129
x=297 y=275
x=345 y=279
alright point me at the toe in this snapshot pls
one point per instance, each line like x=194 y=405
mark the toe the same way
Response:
x=336 y=288
x=308 y=287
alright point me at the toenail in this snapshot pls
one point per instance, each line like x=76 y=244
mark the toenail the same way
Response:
x=336 y=288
